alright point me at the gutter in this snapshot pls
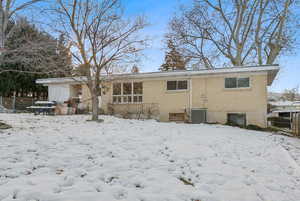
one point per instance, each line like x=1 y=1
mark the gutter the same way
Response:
x=274 y=69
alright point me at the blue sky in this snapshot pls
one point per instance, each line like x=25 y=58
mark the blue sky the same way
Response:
x=159 y=13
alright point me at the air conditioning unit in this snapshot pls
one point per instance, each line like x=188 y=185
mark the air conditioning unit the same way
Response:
x=199 y=115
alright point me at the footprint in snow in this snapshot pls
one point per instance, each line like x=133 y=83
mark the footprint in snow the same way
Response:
x=120 y=194
x=57 y=189
x=68 y=181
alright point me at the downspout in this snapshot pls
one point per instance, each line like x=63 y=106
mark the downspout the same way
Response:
x=205 y=92
x=190 y=99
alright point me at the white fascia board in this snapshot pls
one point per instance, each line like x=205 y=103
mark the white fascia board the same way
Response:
x=200 y=72
x=271 y=69
x=61 y=80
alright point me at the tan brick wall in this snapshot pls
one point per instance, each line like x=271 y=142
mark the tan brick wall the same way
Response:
x=207 y=92
x=210 y=93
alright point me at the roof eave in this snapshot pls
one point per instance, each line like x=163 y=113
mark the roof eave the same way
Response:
x=272 y=75
x=270 y=70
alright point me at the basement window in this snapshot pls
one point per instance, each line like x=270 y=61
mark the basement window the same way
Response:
x=234 y=82
x=236 y=119
x=177 y=85
x=177 y=117
x=128 y=92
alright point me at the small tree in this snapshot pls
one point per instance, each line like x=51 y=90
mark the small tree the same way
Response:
x=100 y=38
x=135 y=69
x=173 y=59
x=64 y=57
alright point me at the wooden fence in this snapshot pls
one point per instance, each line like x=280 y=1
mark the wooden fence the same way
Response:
x=296 y=124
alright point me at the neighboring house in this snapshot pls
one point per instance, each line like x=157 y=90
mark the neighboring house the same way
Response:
x=284 y=108
x=280 y=97
x=237 y=95
x=285 y=105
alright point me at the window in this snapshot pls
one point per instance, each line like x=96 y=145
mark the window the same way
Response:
x=128 y=92
x=230 y=83
x=117 y=89
x=176 y=116
x=236 y=119
x=117 y=98
x=243 y=82
x=127 y=88
x=171 y=85
x=137 y=92
x=234 y=82
x=182 y=84
x=177 y=85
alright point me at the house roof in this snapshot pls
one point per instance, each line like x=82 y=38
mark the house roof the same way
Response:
x=285 y=103
x=281 y=111
x=271 y=71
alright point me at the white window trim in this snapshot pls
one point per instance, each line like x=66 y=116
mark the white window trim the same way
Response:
x=132 y=95
x=238 y=88
x=176 y=90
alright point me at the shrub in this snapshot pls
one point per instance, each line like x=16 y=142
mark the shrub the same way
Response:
x=4 y=126
x=254 y=127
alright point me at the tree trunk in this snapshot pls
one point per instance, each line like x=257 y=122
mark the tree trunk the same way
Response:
x=1 y=43
x=14 y=102
x=95 y=103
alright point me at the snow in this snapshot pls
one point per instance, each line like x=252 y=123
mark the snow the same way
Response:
x=285 y=103
x=66 y=158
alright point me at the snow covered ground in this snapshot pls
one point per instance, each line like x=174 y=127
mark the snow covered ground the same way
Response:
x=65 y=158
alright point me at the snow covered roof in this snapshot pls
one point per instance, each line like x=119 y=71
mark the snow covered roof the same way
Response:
x=285 y=103
x=272 y=70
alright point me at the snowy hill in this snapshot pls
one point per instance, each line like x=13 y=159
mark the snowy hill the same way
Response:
x=65 y=158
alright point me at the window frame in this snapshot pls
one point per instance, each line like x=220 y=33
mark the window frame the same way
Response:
x=237 y=78
x=127 y=96
x=177 y=84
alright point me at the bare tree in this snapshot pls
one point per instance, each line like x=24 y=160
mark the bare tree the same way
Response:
x=242 y=31
x=8 y=11
x=291 y=94
x=100 y=38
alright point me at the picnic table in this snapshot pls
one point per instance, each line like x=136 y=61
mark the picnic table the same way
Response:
x=43 y=107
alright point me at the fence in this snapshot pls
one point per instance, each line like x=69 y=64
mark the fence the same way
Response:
x=280 y=122
x=296 y=124
x=17 y=103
